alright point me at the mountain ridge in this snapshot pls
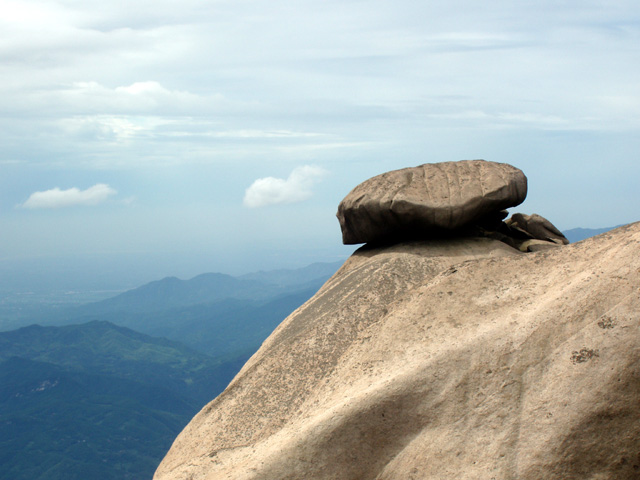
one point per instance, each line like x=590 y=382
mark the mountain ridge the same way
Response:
x=160 y=295
x=578 y=234
x=212 y=287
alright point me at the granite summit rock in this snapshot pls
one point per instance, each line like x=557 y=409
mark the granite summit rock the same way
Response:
x=458 y=358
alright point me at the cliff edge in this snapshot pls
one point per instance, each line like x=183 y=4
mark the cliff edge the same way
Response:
x=441 y=358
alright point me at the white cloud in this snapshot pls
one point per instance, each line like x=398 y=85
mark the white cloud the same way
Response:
x=143 y=87
x=272 y=191
x=138 y=98
x=56 y=198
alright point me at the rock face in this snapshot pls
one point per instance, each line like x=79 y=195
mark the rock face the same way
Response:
x=526 y=233
x=537 y=227
x=428 y=199
x=441 y=359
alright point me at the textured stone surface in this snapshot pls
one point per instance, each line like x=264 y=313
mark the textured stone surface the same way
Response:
x=441 y=360
x=537 y=227
x=425 y=200
x=535 y=245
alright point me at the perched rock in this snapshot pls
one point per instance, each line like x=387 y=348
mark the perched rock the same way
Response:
x=458 y=359
x=537 y=227
x=426 y=200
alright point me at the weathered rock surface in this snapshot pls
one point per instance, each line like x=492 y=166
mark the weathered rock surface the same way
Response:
x=526 y=233
x=460 y=359
x=431 y=198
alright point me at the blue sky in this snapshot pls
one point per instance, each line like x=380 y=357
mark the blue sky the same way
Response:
x=221 y=135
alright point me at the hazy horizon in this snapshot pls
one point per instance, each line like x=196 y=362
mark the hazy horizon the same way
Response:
x=176 y=139
x=109 y=274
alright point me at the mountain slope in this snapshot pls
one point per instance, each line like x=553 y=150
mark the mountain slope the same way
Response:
x=96 y=400
x=58 y=424
x=441 y=359
x=101 y=347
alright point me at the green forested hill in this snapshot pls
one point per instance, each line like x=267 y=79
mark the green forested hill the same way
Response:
x=96 y=401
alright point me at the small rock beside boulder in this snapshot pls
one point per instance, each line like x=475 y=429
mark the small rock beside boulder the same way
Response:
x=527 y=233
x=537 y=227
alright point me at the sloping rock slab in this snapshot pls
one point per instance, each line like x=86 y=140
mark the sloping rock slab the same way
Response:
x=441 y=360
x=428 y=199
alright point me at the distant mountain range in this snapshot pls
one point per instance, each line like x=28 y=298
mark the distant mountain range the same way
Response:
x=86 y=398
x=578 y=234
x=216 y=314
x=172 y=292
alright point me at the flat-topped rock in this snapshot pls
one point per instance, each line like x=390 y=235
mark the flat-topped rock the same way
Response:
x=428 y=200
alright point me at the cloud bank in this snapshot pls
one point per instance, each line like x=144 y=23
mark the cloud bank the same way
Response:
x=56 y=198
x=273 y=191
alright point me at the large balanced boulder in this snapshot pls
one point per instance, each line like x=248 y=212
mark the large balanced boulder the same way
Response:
x=428 y=200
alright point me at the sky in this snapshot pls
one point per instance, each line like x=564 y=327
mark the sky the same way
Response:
x=156 y=138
